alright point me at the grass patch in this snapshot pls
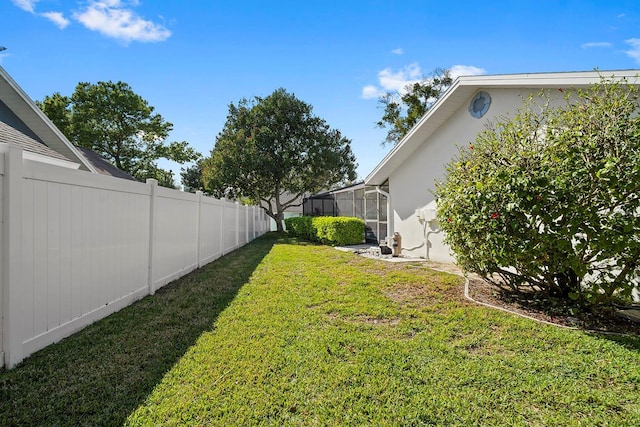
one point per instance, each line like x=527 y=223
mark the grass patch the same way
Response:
x=307 y=335
x=101 y=374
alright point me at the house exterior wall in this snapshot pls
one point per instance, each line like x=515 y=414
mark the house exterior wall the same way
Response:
x=412 y=185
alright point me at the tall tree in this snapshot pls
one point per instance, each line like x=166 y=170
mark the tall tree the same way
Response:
x=192 y=177
x=273 y=150
x=403 y=110
x=112 y=120
x=57 y=108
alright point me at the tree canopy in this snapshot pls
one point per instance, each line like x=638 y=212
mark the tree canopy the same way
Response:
x=402 y=110
x=548 y=201
x=191 y=177
x=273 y=150
x=112 y=120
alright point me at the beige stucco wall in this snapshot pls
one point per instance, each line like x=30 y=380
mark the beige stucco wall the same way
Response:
x=412 y=185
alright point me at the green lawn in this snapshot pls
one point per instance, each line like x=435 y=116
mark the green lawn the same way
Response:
x=285 y=333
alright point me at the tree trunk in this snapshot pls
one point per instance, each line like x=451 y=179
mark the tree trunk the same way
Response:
x=279 y=214
x=279 y=222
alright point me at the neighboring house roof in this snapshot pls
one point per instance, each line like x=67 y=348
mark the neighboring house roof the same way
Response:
x=37 y=123
x=9 y=134
x=350 y=187
x=102 y=166
x=459 y=94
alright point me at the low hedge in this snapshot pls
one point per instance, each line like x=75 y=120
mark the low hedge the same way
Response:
x=328 y=230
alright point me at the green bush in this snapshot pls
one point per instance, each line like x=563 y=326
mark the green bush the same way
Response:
x=327 y=230
x=549 y=200
x=301 y=226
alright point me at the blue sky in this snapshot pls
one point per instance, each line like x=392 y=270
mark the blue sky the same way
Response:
x=190 y=59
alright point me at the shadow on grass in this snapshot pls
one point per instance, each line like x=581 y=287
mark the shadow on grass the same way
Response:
x=629 y=342
x=101 y=374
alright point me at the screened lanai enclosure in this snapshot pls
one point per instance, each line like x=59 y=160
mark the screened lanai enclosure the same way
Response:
x=366 y=202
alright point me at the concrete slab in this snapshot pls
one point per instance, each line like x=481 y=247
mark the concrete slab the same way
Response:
x=373 y=252
x=632 y=314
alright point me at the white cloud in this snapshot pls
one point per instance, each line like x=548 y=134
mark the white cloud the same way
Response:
x=595 y=44
x=398 y=51
x=114 y=19
x=57 y=18
x=393 y=81
x=28 y=5
x=371 y=92
x=396 y=81
x=465 y=70
x=635 y=49
x=390 y=81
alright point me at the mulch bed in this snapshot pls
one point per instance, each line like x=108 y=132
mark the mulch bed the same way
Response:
x=602 y=321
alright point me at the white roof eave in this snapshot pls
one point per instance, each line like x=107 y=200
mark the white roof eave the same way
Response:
x=460 y=92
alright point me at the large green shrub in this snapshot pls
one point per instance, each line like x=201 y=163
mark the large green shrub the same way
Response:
x=301 y=226
x=327 y=230
x=549 y=200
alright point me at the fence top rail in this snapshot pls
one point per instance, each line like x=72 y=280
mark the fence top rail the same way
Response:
x=211 y=201
x=51 y=173
x=172 y=193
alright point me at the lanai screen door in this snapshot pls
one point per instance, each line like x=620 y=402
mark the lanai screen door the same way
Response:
x=375 y=213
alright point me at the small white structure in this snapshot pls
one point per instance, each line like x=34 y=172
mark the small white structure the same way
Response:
x=414 y=165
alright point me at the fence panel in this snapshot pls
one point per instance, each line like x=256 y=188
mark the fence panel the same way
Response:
x=82 y=251
x=76 y=246
x=242 y=225
x=175 y=235
x=210 y=230
x=230 y=224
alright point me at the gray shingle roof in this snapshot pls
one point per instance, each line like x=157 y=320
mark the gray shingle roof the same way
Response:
x=9 y=134
x=103 y=166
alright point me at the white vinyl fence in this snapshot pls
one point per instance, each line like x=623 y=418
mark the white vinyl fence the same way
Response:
x=77 y=246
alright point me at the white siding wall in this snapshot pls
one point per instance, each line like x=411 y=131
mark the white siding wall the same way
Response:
x=411 y=185
x=81 y=246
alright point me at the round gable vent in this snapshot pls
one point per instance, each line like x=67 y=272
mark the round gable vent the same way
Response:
x=479 y=105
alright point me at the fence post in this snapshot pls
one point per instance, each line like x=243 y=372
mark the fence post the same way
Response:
x=237 y=211
x=223 y=200
x=253 y=222
x=153 y=196
x=12 y=307
x=266 y=223
x=246 y=223
x=198 y=228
